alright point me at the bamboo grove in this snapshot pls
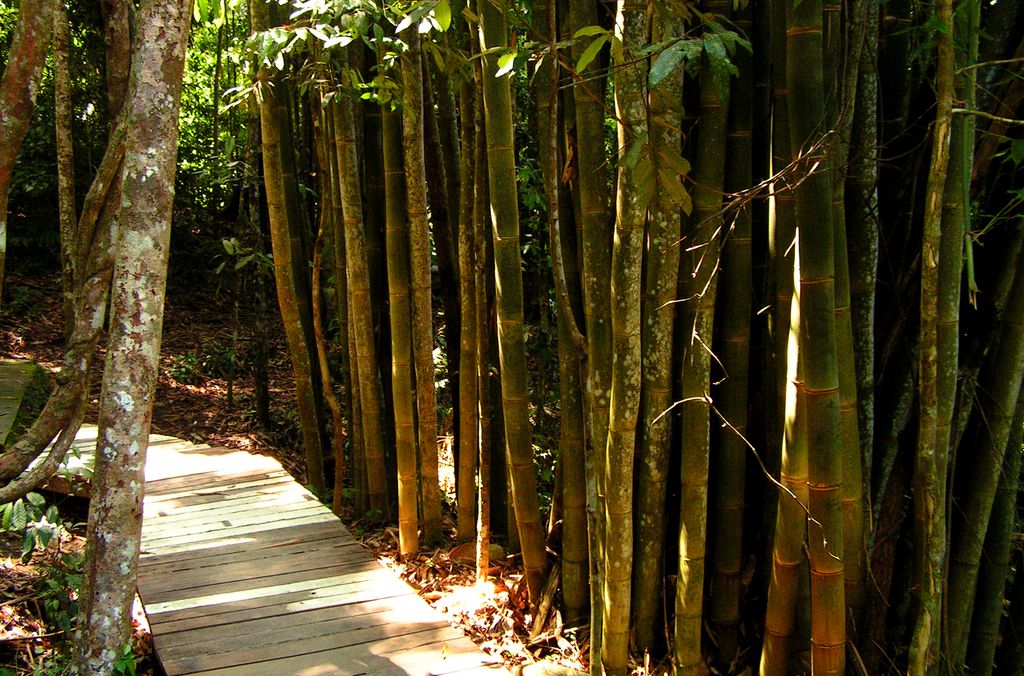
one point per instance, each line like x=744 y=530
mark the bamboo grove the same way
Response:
x=766 y=255
x=780 y=246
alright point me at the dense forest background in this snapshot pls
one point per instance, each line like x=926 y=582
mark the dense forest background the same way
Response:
x=717 y=305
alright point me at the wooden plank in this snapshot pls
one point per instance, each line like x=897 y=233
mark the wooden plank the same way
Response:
x=211 y=479
x=221 y=508
x=267 y=539
x=256 y=606
x=353 y=642
x=292 y=634
x=248 y=574
x=248 y=532
x=239 y=496
x=336 y=545
x=368 y=612
x=171 y=526
x=157 y=604
x=185 y=497
x=433 y=651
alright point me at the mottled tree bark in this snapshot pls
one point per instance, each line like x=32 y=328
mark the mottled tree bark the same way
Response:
x=65 y=163
x=129 y=382
x=24 y=69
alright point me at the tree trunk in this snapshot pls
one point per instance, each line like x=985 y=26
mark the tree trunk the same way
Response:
x=25 y=61
x=129 y=382
x=65 y=164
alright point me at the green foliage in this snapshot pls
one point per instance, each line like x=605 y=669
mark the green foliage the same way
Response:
x=37 y=523
x=59 y=591
x=213 y=360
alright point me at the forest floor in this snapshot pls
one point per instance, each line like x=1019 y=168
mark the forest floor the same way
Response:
x=200 y=333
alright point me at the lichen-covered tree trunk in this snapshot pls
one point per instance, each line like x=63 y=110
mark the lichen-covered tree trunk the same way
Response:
x=596 y=259
x=659 y=314
x=289 y=262
x=469 y=353
x=508 y=273
x=631 y=198
x=25 y=61
x=419 y=277
x=65 y=163
x=129 y=382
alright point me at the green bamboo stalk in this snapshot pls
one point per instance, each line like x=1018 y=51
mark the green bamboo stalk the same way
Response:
x=700 y=281
x=403 y=392
x=633 y=188
x=508 y=274
x=419 y=263
x=659 y=314
x=791 y=517
x=995 y=565
x=734 y=311
x=360 y=312
x=932 y=448
x=324 y=142
x=571 y=475
x=337 y=242
x=290 y=276
x=1001 y=380
x=806 y=112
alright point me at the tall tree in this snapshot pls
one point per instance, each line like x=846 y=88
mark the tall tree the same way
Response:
x=129 y=382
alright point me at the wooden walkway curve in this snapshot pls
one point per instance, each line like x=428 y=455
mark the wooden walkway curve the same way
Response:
x=244 y=571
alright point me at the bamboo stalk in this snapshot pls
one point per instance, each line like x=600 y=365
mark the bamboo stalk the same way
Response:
x=659 y=315
x=508 y=274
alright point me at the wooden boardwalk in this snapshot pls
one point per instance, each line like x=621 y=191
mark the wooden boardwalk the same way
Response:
x=243 y=571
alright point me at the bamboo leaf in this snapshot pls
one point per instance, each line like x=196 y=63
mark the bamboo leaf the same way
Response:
x=506 y=62
x=443 y=14
x=665 y=64
x=633 y=154
x=587 y=31
x=677 y=193
x=676 y=162
x=591 y=52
